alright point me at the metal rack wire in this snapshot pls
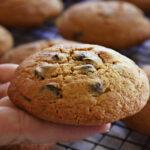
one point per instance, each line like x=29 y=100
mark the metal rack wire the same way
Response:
x=119 y=138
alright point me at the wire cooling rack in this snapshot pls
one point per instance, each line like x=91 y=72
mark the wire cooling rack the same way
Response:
x=120 y=137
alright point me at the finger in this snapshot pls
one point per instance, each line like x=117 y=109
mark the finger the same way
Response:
x=3 y=89
x=50 y=132
x=6 y=102
x=9 y=125
x=76 y=133
x=21 y=127
x=7 y=72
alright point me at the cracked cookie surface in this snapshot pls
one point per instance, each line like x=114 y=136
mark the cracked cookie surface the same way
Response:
x=18 y=54
x=80 y=85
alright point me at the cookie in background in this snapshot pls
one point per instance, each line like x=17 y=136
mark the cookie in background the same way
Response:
x=28 y=13
x=143 y=4
x=6 y=40
x=18 y=54
x=113 y=24
x=141 y=121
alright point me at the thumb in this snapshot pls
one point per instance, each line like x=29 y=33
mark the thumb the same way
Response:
x=3 y=89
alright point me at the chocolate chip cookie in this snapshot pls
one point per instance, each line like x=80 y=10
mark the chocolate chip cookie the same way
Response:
x=19 y=53
x=6 y=40
x=143 y=4
x=141 y=121
x=79 y=85
x=114 y=24
x=28 y=13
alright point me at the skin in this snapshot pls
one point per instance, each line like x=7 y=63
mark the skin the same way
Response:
x=22 y=127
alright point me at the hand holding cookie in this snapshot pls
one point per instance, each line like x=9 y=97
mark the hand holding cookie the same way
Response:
x=21 y=127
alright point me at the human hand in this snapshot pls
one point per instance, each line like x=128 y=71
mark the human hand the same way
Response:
x=17 y=126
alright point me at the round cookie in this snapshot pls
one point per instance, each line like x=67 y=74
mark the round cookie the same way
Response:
x=6 y=40
x=19 y=53
x=28 y=13
x=77 y=85
x=114 y=24
x=143 y=4
x=141 y=121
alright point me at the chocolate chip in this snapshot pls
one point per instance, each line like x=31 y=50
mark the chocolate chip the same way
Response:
x=89 y=61
x=46 y=70
x=97 y=88
x=87 y=58
x=88 y=67
x=56 y=57
x=56 y=91
x=77 y=35
x=80 y=57
x=85 y=69
x=38 y=73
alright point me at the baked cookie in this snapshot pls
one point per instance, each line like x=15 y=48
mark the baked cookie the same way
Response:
x=143 y=4
x=113 y=24
x=6 y=40
x=141 y=121
x=79 y=85
x=19 y=53
x=28 y=13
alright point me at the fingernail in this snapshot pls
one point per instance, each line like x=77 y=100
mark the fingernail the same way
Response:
x=107 y=128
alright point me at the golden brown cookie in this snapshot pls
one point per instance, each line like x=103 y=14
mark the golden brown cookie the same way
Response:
x=143 y=4
x=6 y=40
x=79 y=85
x=141 y=121
x=113 y=24
x=19 y=53
x=28 y=13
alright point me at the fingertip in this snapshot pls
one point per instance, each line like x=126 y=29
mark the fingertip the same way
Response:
x=105 y=128
x=3 y=89
x=5 y=101
x=7 y=72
